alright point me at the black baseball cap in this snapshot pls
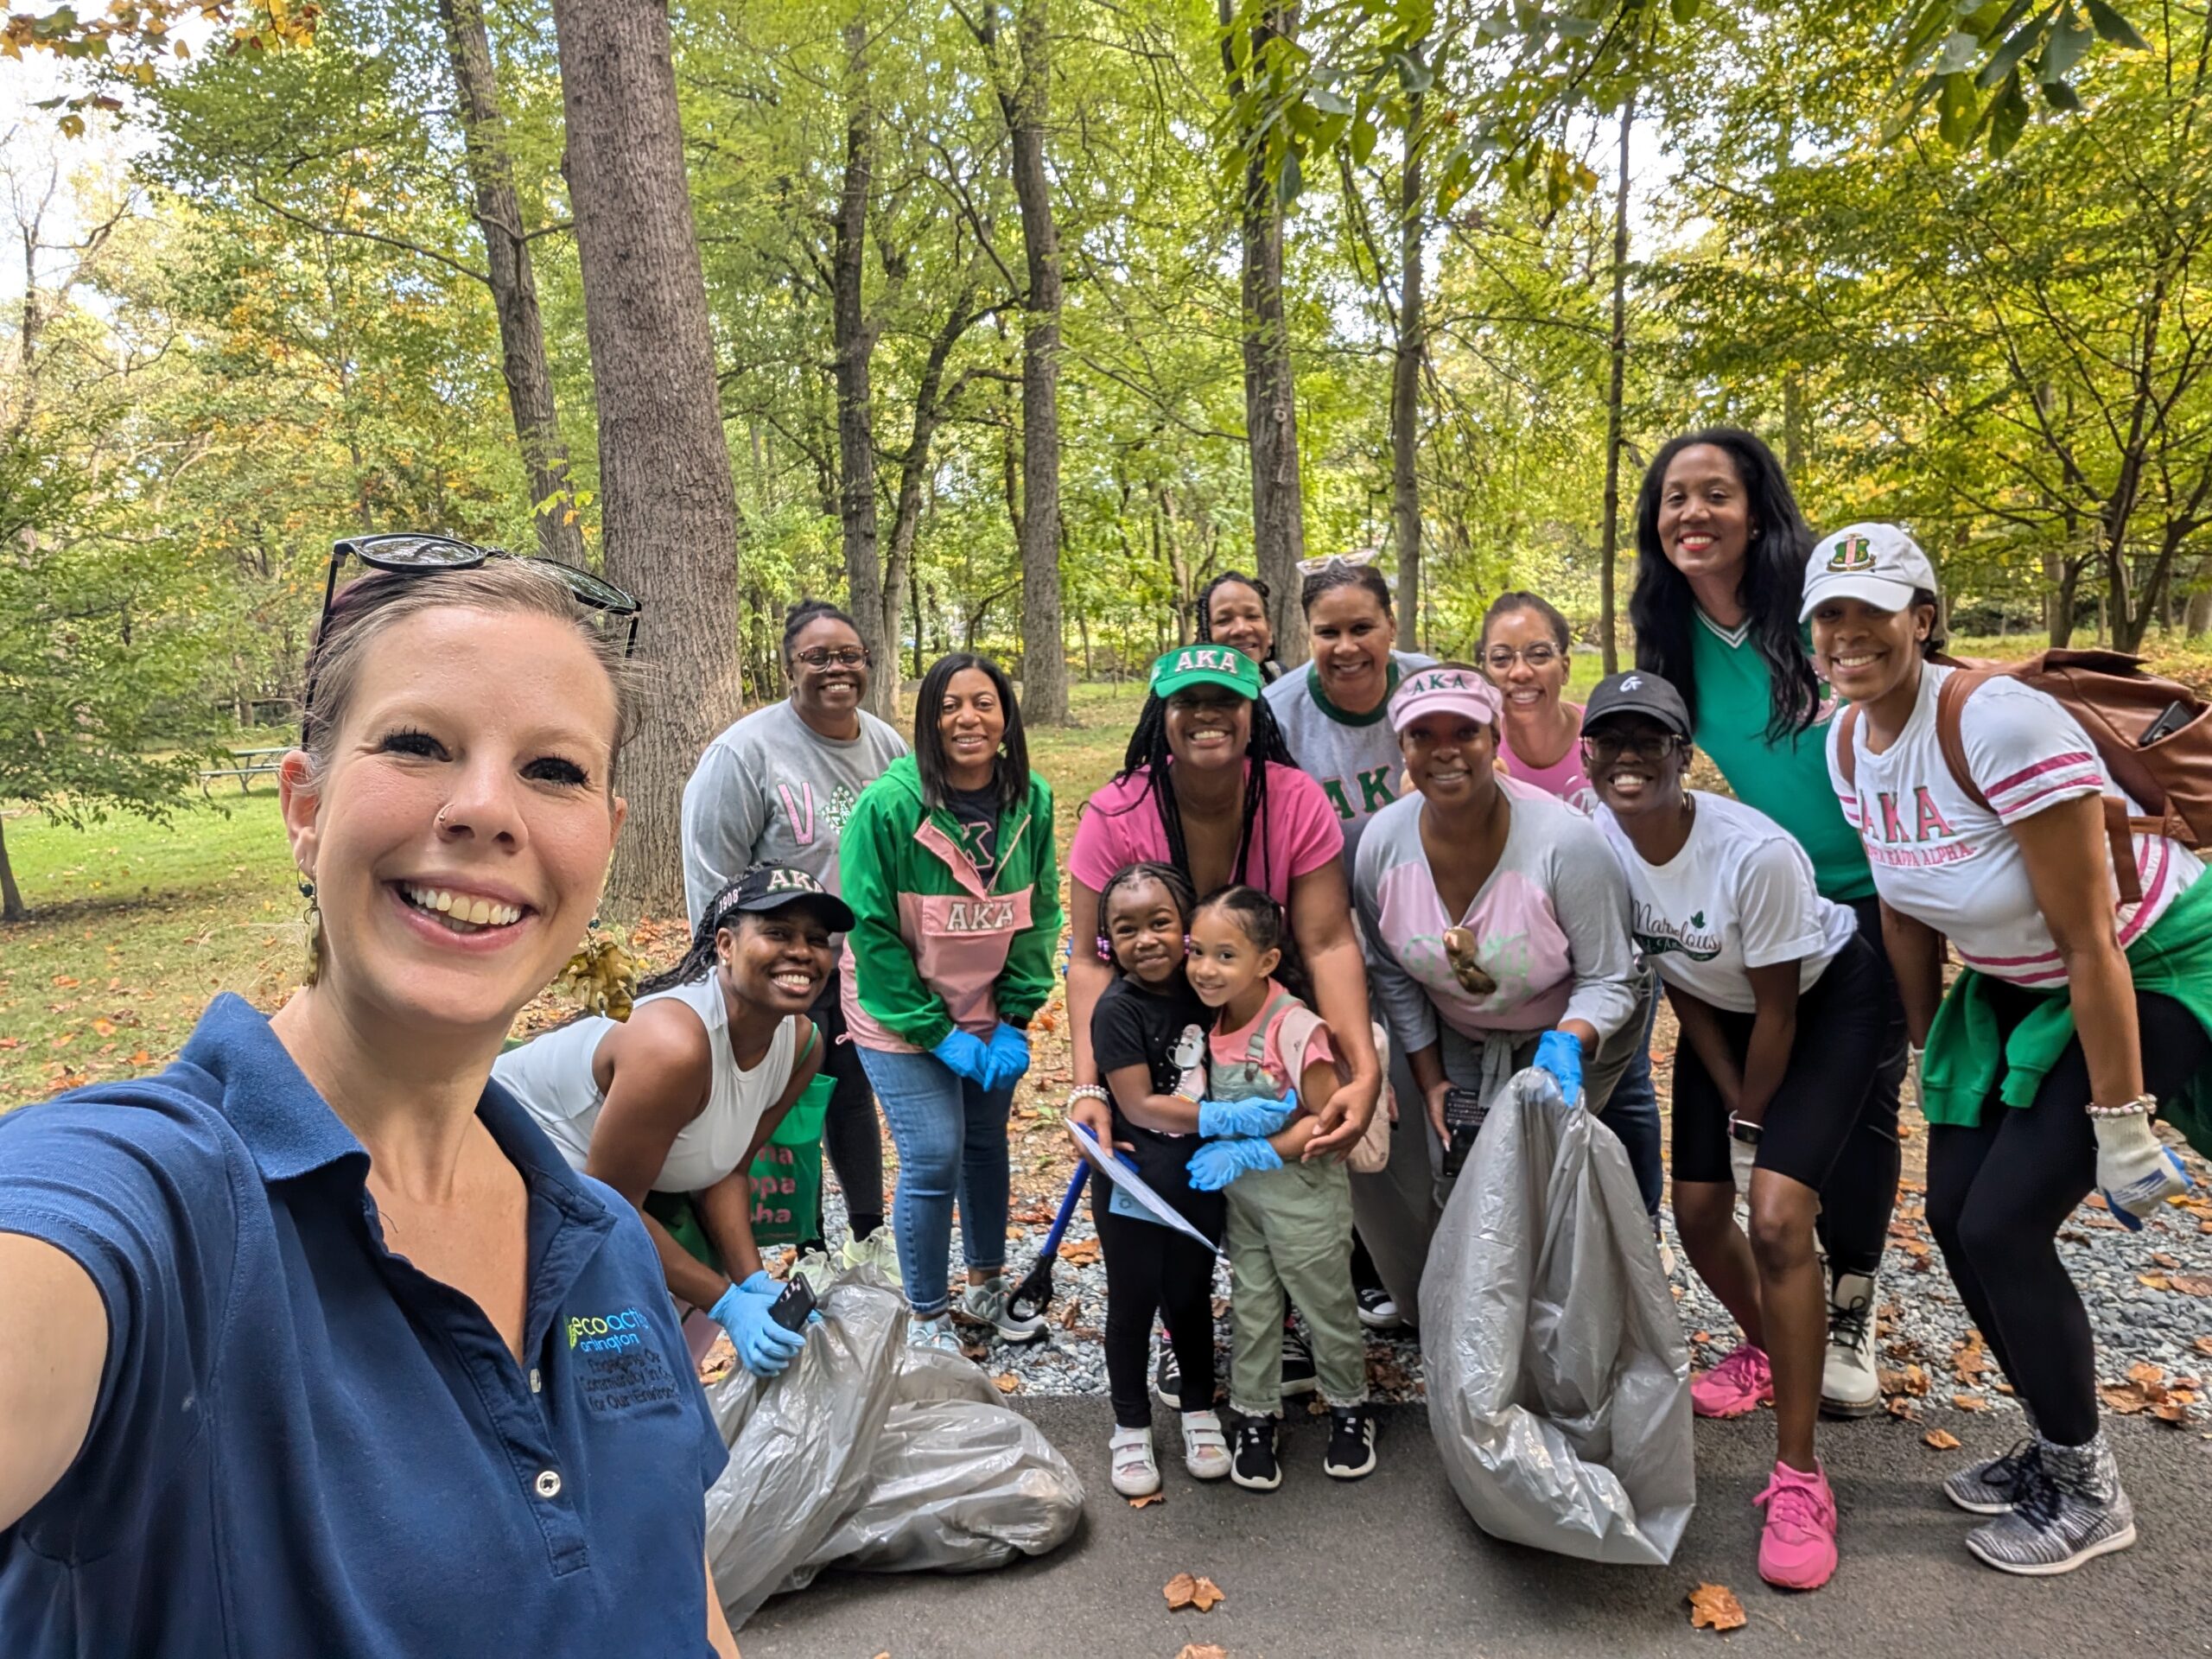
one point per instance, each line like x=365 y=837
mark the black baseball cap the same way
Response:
x=771 y=887
x=1638 y=693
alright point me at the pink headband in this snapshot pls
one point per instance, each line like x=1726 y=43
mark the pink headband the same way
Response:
x=1444 y=691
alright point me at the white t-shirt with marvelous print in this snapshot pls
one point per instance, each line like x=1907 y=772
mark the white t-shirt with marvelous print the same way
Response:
x=1739 y=895
x=1939 y=857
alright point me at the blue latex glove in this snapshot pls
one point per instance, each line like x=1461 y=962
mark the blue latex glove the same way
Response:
x=1217 y=1163
x=764 y=1347
x=1560 y=1056
x=965 y=1055
x=1008 y=1053
x=1219 y=1119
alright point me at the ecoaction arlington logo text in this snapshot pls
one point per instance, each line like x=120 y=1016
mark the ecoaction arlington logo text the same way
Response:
x=603 y=1333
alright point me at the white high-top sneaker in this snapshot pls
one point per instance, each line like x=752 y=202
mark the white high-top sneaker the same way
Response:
x=1849 y=1387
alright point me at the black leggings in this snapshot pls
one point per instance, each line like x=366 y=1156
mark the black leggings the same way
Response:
x=1153 y=1270
x=1999 y=1192
x=1861 y=1189
x=851 y=1134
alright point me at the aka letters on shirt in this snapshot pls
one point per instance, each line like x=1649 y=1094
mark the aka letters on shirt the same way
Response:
x=1739 y=895
x=1954 y=865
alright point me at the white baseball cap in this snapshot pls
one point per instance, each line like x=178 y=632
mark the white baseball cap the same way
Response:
x=1879 y=563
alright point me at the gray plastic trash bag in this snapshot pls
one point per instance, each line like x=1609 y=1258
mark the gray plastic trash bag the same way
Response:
x=1558 y=1376
x=870 y=1455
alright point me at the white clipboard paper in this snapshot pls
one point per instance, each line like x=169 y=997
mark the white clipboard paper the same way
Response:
x=1134 y=1184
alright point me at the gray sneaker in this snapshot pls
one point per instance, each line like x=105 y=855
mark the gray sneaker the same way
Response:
x=1987 y=1488
x=2068 y=1508
x=986 y=1304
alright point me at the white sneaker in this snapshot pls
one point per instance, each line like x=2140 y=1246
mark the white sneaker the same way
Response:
x=1136 y=1474
x=1206 y=1448
x=936 y=1333
x=986 y=1304
x=1849 y=1387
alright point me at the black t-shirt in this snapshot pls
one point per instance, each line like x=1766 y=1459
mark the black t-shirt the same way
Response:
x=978 y=812
x=1164 y=1031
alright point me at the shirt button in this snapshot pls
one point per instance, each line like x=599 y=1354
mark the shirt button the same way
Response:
x=535 y=1381
x=549 y=1483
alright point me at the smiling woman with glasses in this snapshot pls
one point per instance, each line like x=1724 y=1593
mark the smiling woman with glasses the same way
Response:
x=335 y=1352
x=777 y=787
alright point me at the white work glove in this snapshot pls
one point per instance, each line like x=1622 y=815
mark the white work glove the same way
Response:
x=1742 y=1156
x=2134 y=1172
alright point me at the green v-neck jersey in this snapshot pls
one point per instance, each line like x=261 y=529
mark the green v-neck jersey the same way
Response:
x=1789 y=780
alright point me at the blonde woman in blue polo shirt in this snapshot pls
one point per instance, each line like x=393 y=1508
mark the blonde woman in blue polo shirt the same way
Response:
x=336 y=1354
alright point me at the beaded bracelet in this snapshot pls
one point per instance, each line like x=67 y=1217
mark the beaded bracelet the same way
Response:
x=2141 y=1106
x=1089 y=1091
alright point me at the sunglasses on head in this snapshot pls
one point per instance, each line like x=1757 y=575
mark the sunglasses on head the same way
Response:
x=1351 y=561
x=409 y=555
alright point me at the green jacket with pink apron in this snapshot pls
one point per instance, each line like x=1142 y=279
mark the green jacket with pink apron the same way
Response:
x=935 y=946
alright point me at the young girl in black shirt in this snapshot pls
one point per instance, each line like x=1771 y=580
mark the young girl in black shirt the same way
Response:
x=1149 y=1032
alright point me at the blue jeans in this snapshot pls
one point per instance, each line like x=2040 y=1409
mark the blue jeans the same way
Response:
x=951 y=1141
x=1632 y=1115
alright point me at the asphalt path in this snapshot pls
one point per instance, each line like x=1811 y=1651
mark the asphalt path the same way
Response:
x=1392 y=1566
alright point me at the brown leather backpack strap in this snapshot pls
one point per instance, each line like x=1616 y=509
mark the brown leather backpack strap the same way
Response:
x=1950 y=735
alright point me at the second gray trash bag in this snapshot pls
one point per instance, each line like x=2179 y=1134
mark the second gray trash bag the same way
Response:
x=869 y=1454
x=1558 y=1377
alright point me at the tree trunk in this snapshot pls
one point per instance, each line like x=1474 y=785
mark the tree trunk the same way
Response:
x=853 y=340
x=1043 y=659
x=1405 y=382
x=1609 y=532
x=1270 y=390
x=670 y=511
x=913 y=473
x=523 y=362
x=12 y=908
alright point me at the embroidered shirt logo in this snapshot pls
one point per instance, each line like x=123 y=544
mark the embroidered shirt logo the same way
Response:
x=596 y=1333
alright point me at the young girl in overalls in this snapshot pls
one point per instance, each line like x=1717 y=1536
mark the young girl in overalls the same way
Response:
x=1289 y=1222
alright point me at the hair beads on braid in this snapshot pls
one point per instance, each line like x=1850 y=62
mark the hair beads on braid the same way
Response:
x=1149 y=749
x=1178 y=885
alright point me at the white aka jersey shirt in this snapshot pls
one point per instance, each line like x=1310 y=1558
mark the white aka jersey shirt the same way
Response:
x=1942 y=858
x=1739 y=895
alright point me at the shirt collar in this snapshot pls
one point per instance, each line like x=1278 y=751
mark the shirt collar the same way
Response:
x=1733 y=637
x=291 y=1131
x=1344 y=717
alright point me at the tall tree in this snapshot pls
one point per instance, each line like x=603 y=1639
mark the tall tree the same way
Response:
x=1270 y=388
x=523 y=361
x=669 y=508
x=1608 y=531
x=1406 y=357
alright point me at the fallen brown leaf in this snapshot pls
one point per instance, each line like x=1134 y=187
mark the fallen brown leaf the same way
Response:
x=1185 y=1591
x=2174 y=1411
x=141 y=1058
x=1902 y=1408
x=2153 y=1281
x=2145 y=1372
x=1146 y=1500
x=1714 y=1607
x=1941 y=1439
x=2126 y=1399
x=1202 y=1650
x=2160 y=1258
x=1079 y=1252
x=2194 y=1284
x=2204 y=1344
x=1006 y=1383
x=1969 y=1402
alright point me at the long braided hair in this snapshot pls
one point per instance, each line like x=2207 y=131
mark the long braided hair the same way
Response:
x=700 y=960
x=1149 y=750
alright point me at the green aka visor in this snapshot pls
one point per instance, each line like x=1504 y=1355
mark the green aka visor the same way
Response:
x=1222 y=665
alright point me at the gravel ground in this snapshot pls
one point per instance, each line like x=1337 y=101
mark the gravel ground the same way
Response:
x=2150 y=1297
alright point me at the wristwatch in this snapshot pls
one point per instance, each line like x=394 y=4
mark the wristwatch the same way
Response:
x=1743 y=1130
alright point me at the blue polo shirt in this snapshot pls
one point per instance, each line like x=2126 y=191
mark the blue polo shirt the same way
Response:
x=302 y=1445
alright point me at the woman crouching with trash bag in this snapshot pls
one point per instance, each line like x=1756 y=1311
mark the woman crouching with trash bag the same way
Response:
x=1780 y=1001
x=308 y=1376
x=1984 y=811
x=1494 y=919
x=670 y=1107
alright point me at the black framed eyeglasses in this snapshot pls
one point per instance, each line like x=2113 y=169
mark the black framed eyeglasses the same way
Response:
x=1539 y=656
x=404 y=553
x=824 y=657
x=1651 y=746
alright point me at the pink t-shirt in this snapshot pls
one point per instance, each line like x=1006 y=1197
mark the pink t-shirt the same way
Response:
x=1564 y=780
x=1297 y=832
x=1293 y=1027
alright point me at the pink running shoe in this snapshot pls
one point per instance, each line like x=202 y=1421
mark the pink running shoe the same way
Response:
x=1797 y=1544
x=1737 y=1386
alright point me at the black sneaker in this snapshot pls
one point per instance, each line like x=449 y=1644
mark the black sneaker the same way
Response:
x=1297 y=1364
x=1168 y=1379
x=1252 y=1456
x=1352 y=1443
x=1377 y=1309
